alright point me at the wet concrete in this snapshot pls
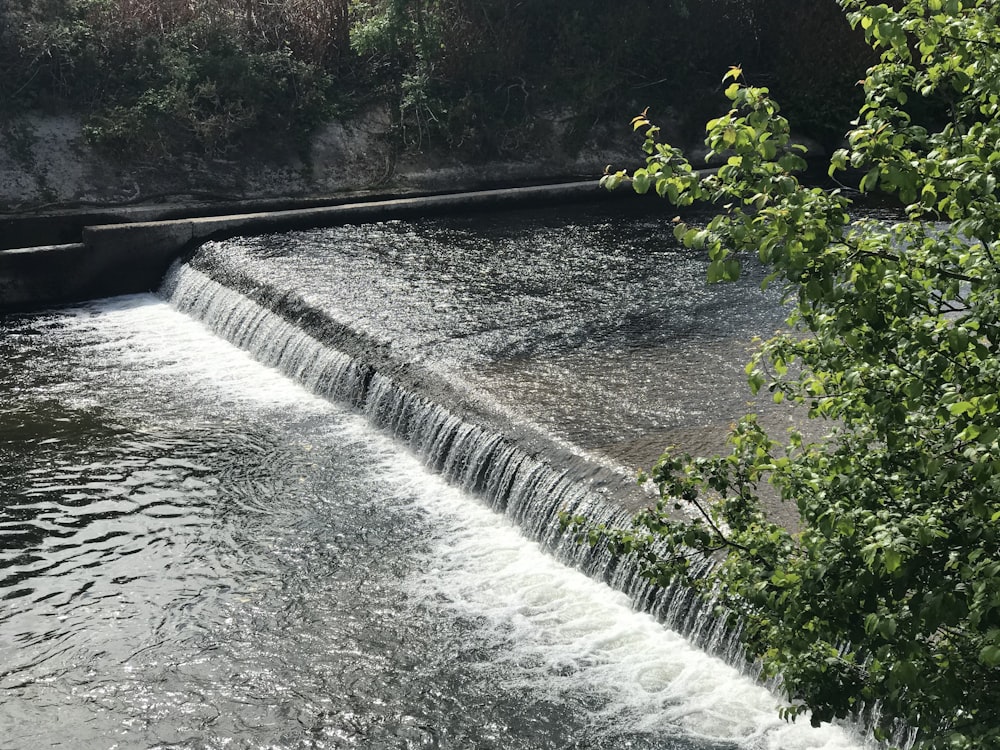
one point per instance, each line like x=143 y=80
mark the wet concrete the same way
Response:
x=132 y=256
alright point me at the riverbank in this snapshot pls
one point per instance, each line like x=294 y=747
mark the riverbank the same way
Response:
x=50 y=167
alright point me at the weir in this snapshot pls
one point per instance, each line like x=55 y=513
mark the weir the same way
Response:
x=203 y=555
x=79 y=256
x=520 y=470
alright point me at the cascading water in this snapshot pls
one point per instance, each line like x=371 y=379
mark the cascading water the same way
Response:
x=531 y=479
x=207 y=556
x=530 y=491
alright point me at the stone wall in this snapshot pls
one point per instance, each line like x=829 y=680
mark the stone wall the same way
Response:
x=46 y=164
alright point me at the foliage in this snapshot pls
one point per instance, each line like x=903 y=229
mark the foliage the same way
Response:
x=483 y=73
x=202 y=87
x=489 y=77
x=890 y=592
x=405 y=39
x=175 y=75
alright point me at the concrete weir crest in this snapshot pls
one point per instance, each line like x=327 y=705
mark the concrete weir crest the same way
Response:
x=131 y=257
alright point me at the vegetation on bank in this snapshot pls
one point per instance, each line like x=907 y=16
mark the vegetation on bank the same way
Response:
x=888 y=599
x=473 y=75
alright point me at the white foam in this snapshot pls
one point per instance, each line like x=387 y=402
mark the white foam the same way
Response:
x=564 y=632
x=143 y=331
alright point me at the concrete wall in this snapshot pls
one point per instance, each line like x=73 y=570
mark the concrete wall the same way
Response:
x=46 y=164
x=132 y=257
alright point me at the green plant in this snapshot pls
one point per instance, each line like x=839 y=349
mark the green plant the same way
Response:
x=172 y=75
x=890 y=593
x=203 y=88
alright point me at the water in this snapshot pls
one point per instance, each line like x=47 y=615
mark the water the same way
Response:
x=597 y=327
x=200 y=553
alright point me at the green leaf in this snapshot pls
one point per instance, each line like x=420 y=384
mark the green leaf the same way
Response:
x=961 y=407
x=716 y=271
x=887 y=627
x=990 y=656
x=640 y=181
x=792 y=163
x=612 y=181
x=891 y=559
x=870 y=181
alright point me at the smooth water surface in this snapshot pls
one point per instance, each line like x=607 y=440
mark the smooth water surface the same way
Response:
x=197 y=553
x=596 y=326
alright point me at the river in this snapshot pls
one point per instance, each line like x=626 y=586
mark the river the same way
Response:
x=199 y=552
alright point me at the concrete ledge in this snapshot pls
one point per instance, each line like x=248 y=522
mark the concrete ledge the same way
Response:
x=129 y=258
x=41 y=273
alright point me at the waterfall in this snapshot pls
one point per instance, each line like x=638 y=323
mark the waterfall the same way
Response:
x=517 y=470
x=512 y=473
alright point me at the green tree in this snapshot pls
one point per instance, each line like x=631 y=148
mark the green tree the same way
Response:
x=406 y=39
x=890 y=592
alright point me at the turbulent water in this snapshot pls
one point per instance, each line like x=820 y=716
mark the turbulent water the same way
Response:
x=200 y=553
